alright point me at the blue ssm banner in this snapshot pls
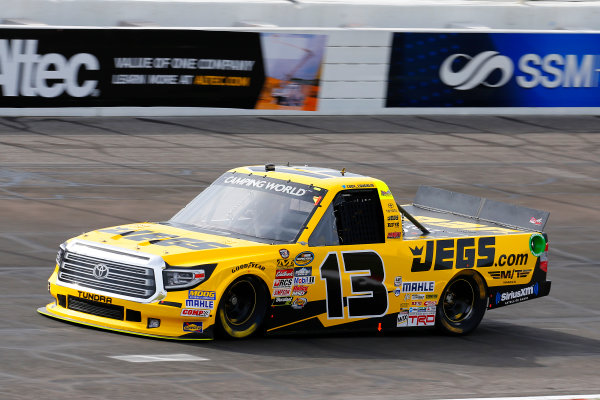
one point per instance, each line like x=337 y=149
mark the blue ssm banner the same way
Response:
x=494 y=70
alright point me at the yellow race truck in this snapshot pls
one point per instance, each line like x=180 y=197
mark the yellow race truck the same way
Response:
x=279 y=249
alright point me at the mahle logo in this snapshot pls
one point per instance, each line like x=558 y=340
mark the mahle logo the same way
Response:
x=23 y=72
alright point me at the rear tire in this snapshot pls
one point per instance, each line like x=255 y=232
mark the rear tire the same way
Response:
x=242 y=308
x=462 y=305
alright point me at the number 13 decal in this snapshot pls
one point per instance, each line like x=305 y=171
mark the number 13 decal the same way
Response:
x=368 y=295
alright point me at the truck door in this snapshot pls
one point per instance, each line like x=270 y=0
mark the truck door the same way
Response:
x=349 y=244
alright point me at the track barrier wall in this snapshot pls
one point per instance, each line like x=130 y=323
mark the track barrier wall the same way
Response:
x=87 y=71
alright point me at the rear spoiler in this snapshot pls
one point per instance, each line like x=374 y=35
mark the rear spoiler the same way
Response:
x=480 y=208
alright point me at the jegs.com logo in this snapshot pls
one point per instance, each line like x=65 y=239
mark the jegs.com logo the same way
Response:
x=462 y=253
x=24 y=72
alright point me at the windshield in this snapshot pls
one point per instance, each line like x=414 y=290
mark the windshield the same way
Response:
x=249 y=205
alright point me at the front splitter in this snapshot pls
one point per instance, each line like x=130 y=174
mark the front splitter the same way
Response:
x=48 y=313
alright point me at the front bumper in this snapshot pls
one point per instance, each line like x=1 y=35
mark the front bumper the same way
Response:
x=125 y=316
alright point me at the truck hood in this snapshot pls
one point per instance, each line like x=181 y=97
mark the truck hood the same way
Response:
x=176 y=245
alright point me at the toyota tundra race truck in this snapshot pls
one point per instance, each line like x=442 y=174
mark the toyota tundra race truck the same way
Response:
x=278 y=249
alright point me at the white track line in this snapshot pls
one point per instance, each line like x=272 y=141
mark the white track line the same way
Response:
x=568 y=397
x=158 y=357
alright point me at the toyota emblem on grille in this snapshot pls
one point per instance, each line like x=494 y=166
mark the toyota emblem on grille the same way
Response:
x=100 y=271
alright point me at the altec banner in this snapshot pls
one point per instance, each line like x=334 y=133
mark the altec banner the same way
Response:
x=123 y=67
x=494 y=70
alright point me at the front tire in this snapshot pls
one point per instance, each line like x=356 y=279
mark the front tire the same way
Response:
x=242 y=308
x=462 y=305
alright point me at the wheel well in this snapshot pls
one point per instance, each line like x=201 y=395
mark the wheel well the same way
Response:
x=257 y=279
x=472 y=273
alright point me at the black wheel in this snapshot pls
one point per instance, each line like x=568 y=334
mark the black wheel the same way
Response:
x=242 y=308
x=462 y=305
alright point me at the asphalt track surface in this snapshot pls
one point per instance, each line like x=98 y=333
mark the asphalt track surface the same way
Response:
x=60 y=177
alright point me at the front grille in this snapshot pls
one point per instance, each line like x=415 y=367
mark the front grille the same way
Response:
x=95 y=308
x=122 y=279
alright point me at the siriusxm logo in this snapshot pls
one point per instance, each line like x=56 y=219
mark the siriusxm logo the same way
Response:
x=517 y=294
x=492 y=69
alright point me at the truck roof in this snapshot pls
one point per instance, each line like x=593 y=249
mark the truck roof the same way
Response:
x=317 y=176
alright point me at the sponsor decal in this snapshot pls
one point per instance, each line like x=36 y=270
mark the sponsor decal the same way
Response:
x=418 y=297
x=246 y=266
x=304 y=280
x=431 y=296
x=406 y=297
x=391 y=208
x=284 y=273
x=393 y=224
x=202 y=294
x=285 y=263
x=284 y=253
x=281 y=292
x=94 y=297
x=46 y=68
x=282 y=283
x=100 y=271
x=195 y=303
x=192 y=326
x=402 y=319
x=418 y=287
x=535 y=221
x=359 y=186
x=398 y=281
x=304 y=258
x=394 y=235
x=397 y=292
x=303 y=271
x=512 y=260
x=421 y=319
x=564 y=71
x=24 y=72
x=450 y=253
x=392 y=218
x=265 y=185
x=192 y=312
x=516 y=296
x=493 y=70
x=162 y=239
x=299 y=290
x=429 y=303
x=385 y=193
x=476 y=71
x=282 y=301
x=507 y=275
x=416 y=303
x=299 y=303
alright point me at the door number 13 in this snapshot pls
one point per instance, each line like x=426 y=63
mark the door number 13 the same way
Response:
x=368 y=295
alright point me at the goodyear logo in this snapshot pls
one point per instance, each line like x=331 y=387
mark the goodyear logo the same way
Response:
x=202 y=294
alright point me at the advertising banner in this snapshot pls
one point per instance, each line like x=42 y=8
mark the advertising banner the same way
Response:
x=179 y=68
x=494 y=70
